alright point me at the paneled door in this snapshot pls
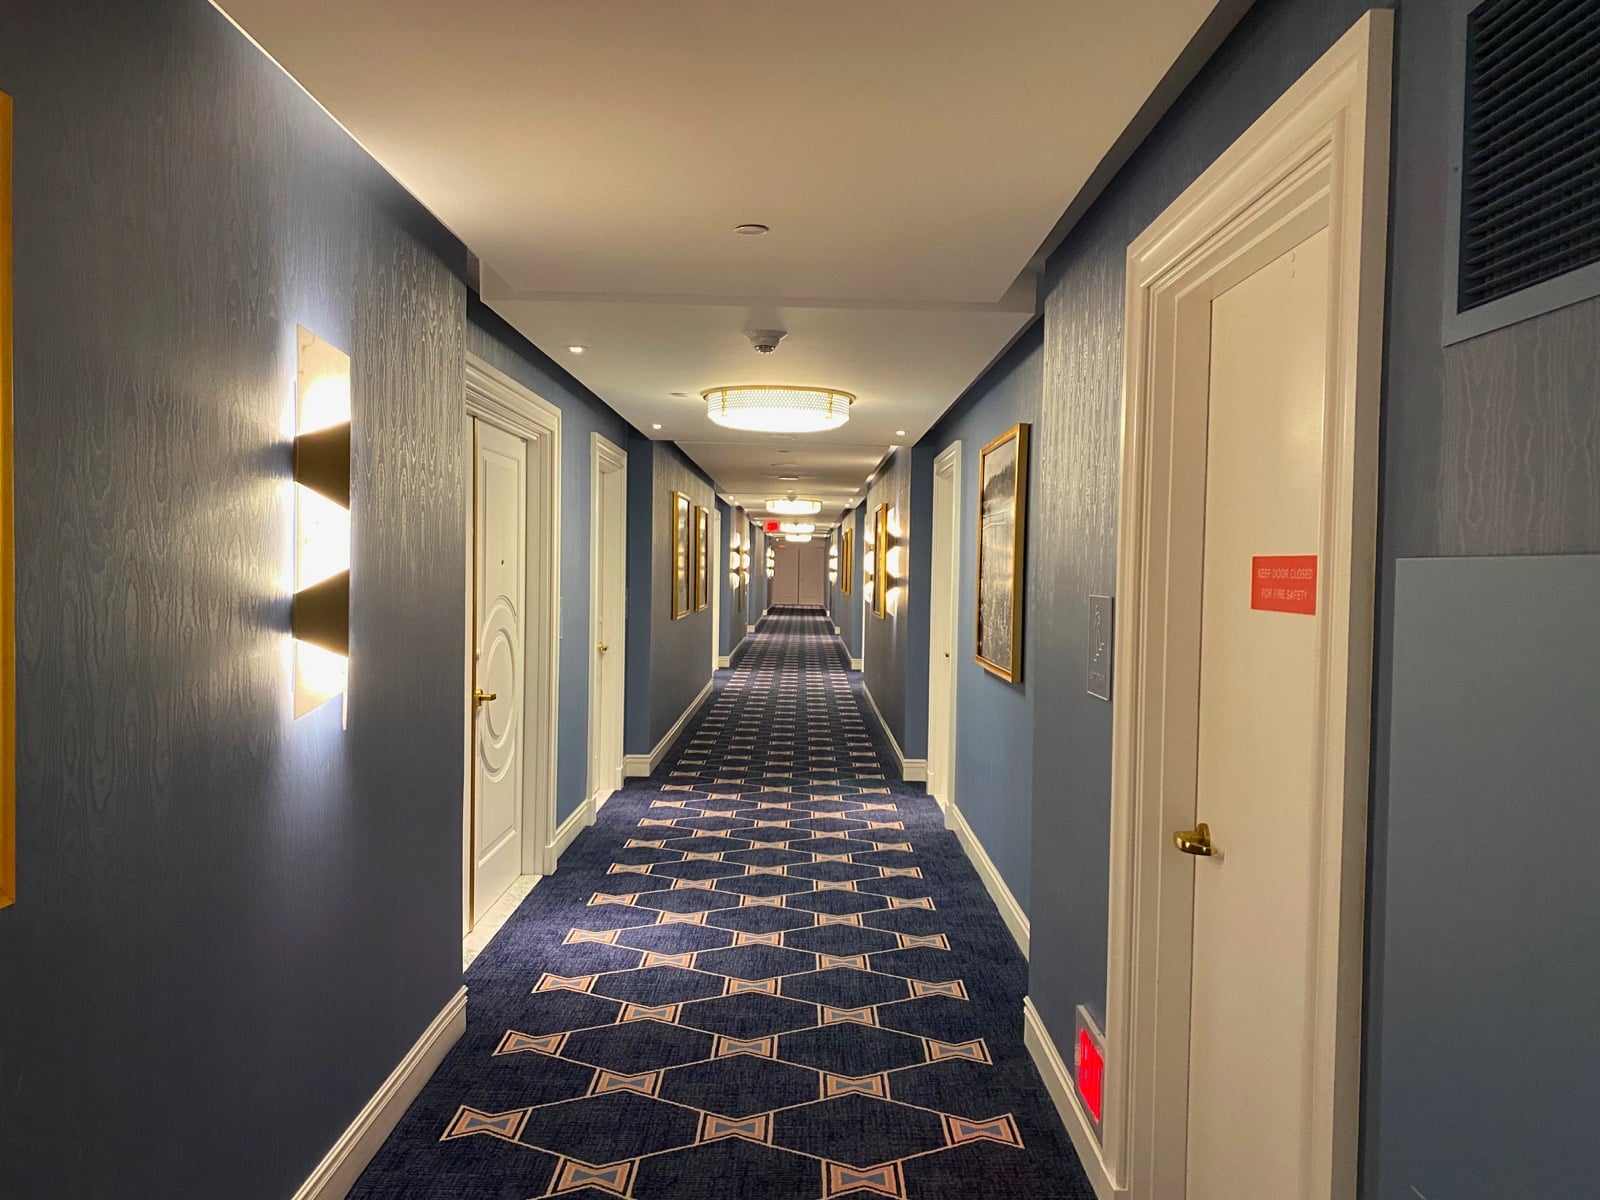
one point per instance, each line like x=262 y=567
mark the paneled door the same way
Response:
x=500 y=507
x=1250 y=1041
x=608 y=599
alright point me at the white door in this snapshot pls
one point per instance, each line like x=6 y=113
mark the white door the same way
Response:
x=785 y=586
x=811 y=573
x=608 y=600
x=716 y=560
x=500 y=486
x=1251 y=1006
x=942 y=625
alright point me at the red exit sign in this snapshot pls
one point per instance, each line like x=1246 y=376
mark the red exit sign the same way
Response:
x=772 y=527
x=1091 y=1072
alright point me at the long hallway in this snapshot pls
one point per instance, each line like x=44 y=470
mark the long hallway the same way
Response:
x=767 y=971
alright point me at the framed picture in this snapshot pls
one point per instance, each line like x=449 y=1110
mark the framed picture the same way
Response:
x=847 y=558
x=880 y=561
x=682 y=555
x=1002 y=529
x=702 y=558
x=8 y=627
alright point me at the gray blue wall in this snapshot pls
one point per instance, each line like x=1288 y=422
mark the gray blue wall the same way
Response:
x=846 y=608
x=670 y=665
x=886 y=639
x=583 y=414
x=230 y=925
x=994 y=719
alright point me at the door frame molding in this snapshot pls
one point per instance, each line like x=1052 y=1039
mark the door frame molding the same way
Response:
x=1318 y=158
x=493 y=396
x=605 y=458
x=947 y=464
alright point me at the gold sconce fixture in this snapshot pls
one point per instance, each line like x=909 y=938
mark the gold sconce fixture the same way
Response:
x=319 y=614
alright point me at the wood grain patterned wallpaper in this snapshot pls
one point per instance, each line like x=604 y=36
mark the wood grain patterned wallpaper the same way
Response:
x=230 y=926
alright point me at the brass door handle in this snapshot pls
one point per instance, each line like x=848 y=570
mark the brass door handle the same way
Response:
x=602 y=647
x=1195 y=841
x=481 y=697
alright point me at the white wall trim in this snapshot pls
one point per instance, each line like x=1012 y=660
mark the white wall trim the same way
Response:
x=944 y=607
x=856 y=664
x=636 y=766
x=1010 y=911
x=349 y=1156
x=912 y=770
x=580 y=819
x=1317 y=158
x=1058 y=1082
x=724 y=661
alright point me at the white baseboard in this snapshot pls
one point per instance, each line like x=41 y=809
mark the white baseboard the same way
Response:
x=1010 y=911
x=857 y=664
x=724 y=660
x=1058 y=1082
x=580 y=819
x=912 y=770
x=636 y=766
x=343 y=1164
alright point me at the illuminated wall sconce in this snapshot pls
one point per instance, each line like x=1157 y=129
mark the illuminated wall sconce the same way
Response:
x=319 y=614
x=833 y=562
x=772 y=561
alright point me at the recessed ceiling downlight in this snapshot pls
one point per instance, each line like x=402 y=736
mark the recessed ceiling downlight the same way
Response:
x=777 y=408
x=751 y=230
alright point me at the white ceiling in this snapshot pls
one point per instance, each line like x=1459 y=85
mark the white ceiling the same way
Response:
x=910 y=156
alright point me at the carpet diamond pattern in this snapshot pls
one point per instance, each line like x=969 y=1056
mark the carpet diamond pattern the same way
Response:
x=725 y=988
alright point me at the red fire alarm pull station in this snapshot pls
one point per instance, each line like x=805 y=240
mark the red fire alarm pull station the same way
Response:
x=1089 y=1066
x=1285 y=583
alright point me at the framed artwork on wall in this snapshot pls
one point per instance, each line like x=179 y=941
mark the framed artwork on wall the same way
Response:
x=1002 y=529
x=702 y=558
x=880 y=561
x=847 y=558
x=8 y=628
x=682 y=555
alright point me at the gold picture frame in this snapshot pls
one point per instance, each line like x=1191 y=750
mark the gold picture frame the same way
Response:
x=847 y=550
x=880 y=561
x=8 y=624
x=682 y=553
x=1002 y=550
x=702 y=559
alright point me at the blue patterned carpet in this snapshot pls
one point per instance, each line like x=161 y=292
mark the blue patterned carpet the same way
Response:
x=766 y=972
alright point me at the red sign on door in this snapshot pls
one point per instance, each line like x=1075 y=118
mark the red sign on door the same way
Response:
x=1285 y=583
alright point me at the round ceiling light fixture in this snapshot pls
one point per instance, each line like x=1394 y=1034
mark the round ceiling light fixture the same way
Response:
x=778 y=408
x=791 y=507
x=797 y=537
x=752 y=229
x=797 y=527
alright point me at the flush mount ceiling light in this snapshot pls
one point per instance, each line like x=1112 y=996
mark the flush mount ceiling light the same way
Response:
x=777 y=408
x=797 y=527
x=751 y=230
x=797 y=537
x=576 y=349
x=792 y=507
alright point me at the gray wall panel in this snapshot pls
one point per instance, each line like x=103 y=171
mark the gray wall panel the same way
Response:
x=994 y=719
x=886 y=639
x=1491 y=952
x=231 y=925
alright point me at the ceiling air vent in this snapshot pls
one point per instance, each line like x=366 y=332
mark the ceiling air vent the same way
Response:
x=1530 y=152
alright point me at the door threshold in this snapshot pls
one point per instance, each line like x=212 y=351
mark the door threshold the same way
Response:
x=491 y=922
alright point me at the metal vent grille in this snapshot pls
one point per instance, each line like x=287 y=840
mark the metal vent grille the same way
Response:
x=1530 y=204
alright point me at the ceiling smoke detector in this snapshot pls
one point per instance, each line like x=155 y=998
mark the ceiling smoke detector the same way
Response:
x=766 y=341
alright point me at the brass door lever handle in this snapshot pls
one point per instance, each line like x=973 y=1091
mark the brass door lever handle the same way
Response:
x=602 y=647
x=481 y=697
x=1195 y=841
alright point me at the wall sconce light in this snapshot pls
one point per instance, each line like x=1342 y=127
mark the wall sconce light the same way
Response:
x=319 y=614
